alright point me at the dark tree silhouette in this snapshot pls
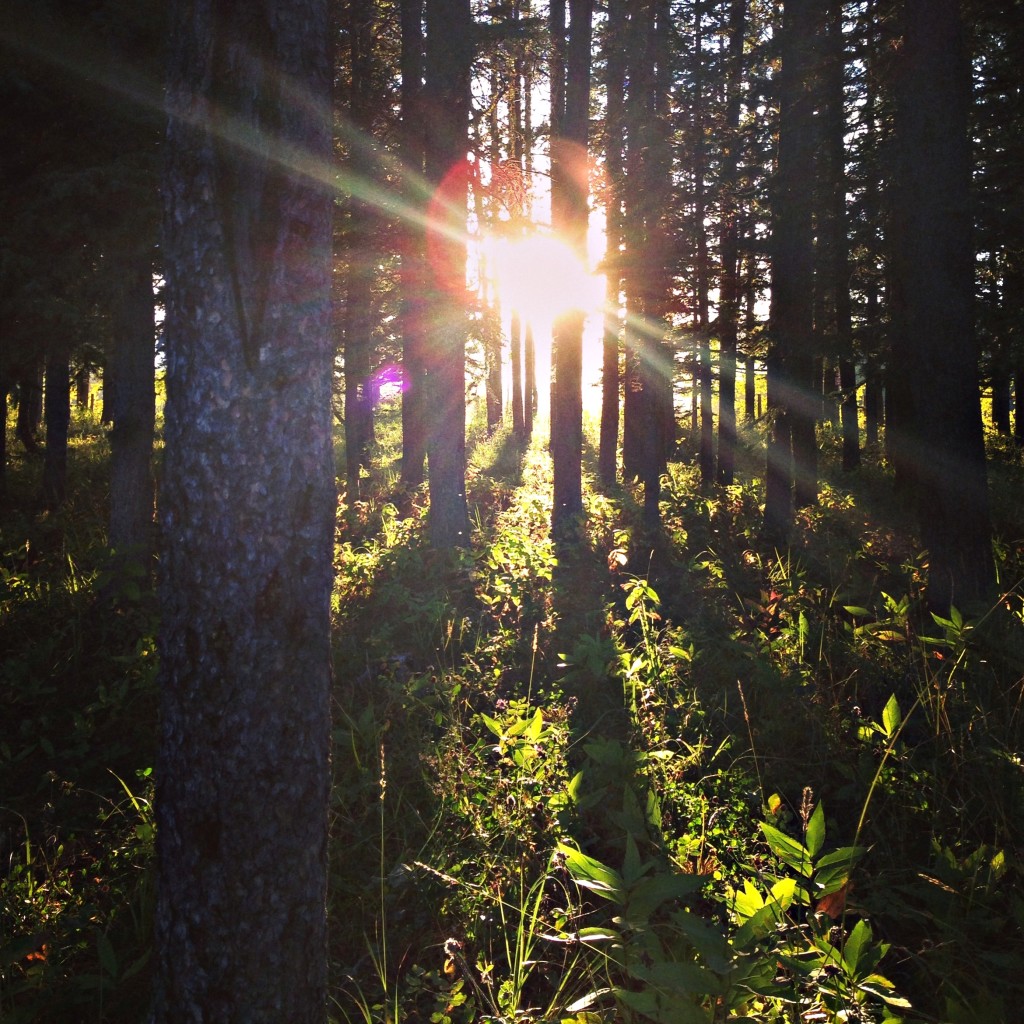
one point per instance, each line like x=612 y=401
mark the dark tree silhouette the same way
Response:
x=569 y=192
x=131 y=401
x=934 y=350
x=611 y=362
x=411 y=150
x=446 y=98
x=792 y=462
x=835 y=241
x=729 y=300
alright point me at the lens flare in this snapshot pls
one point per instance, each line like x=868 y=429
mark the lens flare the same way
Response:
x=541 y=277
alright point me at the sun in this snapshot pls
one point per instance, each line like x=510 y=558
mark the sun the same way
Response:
x=540 y=277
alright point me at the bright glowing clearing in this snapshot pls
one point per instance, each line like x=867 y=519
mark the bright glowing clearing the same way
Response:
x=542 y=277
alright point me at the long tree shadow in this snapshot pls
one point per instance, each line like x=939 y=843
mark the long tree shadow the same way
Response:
x=587 y=605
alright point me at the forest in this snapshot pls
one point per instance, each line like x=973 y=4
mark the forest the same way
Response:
x=511 y=511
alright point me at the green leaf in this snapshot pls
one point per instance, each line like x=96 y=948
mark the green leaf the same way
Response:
x=747 y=901
x=883 y=989
x=844 y=855
x=679 y=977
x=891 y=717
x=494 y=726
x=882 y=633
x=815 y=836
x=706 y=938
x=520 y=725
x=662 y=1008
x=833 y=870
x=591 y=873
x=596 y=934
x=649 y=894
x=589 y=999
x=860 y=952
x=632 y=869
x=788 y=850
x=784 y=892
x=573 y=789
x=536 y=729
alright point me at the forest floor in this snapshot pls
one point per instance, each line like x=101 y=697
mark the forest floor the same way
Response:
x=646 y=776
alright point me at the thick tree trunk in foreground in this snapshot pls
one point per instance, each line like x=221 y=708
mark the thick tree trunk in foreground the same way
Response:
x=935 y=352
x=247 y=515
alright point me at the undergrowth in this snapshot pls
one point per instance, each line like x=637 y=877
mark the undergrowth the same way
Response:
x=656 y=776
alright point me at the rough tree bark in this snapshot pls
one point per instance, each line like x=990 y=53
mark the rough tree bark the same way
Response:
x=247 y=516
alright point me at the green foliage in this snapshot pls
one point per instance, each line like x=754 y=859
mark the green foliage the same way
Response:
x=499 y=856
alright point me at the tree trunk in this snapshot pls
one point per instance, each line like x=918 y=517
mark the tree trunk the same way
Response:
x=569 y=189
x=414 y=450
x=729 y=306
x=529 y=344
x=490 y=322
x=132 y=407
x=30 y=405
x=872 y=407
x=792 y=393
x=706 y=451
x=3 y=439
x=82 y=380
x=1001 y=392
x=935 y=353
x=361 y=250
x=516 y=343
x=648 y=412
x=615 y=84
x=838 y=286
x=750 y=322
x=1018 y=402
x=359 y=316
x=529 y=380
x=57 y=413
x=446 y=98
x=247 y=517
